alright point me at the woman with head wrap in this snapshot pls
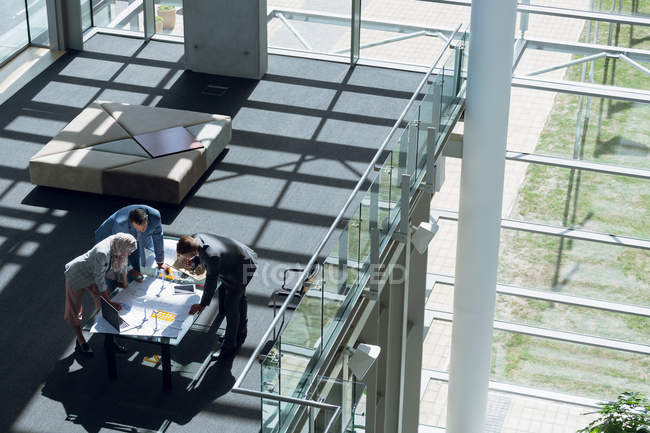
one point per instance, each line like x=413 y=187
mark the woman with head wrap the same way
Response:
x=89 y=272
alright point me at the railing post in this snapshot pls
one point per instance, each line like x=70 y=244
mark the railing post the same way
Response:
x=412 y=153
x=458 y=65
x=437 y=102
x=343 y=260
x=405 y=184
x=345 y=376
x=439 y=173
x=429 y=176
x=312 y=420
x=401 y=158
x=373 y=281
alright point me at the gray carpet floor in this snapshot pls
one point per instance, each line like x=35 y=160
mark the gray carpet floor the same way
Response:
x=302 y=137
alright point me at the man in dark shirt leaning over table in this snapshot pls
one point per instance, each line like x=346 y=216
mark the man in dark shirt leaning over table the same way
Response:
x=234 y=264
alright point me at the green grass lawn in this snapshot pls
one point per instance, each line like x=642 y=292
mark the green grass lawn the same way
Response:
x=616 y=133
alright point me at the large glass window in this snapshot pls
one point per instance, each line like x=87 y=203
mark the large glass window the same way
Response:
x=407 y=31
x=567 y=367
x=86 y=15
x=38 y=29
x=575 y=267
x=13 y=28
x=169 y=17
x=580 y=199
x=612 y=131
x=118 y=14
x=315 y=26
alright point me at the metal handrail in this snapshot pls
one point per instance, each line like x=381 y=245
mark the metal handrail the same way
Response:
x=237 y=386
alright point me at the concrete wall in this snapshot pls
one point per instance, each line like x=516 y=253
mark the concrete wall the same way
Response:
x=64 y=22
x=226 y=37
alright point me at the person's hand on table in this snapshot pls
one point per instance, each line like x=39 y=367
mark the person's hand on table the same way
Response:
x=196 y=308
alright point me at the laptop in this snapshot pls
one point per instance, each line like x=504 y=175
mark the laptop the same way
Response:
x=112 y=316
x=183 y=289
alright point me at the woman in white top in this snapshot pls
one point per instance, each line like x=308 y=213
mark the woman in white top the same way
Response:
x=88 y=272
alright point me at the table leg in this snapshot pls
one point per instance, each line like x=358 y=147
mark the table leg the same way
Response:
x=166 y=366
x=109 y=350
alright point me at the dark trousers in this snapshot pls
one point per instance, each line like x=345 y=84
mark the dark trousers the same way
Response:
x=233 y=303
x=235 y=307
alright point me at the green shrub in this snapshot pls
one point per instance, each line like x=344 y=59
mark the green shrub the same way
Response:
x=630 y=413
x=165 y=8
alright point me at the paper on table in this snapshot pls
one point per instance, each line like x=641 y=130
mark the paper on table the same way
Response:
x=148 y=296
x=173 y=260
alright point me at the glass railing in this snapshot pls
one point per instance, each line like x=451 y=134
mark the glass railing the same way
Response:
x=280 y=416
x=371 y=217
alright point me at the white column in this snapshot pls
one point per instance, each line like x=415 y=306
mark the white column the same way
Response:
x=481 y=190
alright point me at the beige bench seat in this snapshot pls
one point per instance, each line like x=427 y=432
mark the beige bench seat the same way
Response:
x=96 y=153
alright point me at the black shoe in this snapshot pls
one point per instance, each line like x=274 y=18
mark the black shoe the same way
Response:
x=84 y=349
x=118 y=348
x=224 y=354
x=241 y=338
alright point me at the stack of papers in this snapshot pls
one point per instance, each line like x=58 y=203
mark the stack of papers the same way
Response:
x=152 y=308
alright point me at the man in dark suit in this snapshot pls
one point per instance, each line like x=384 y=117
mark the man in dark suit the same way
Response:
x=234 y=264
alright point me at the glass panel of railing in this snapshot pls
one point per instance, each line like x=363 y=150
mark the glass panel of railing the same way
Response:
x=448 y=88
x=348 y=269
x=336 y=274
x=298 y=344
x=270 y=382
x=276 y=415
x=342 y=395
x=301 y=337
